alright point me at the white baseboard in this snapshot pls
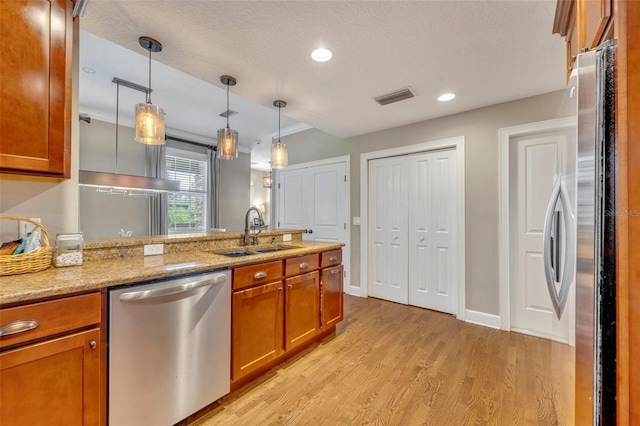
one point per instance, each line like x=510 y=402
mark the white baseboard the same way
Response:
x=481 y=318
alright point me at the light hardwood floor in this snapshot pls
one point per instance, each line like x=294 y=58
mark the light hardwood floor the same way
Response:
x=390 y=364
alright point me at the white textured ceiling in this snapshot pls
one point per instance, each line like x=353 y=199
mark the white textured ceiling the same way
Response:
x=486 y=52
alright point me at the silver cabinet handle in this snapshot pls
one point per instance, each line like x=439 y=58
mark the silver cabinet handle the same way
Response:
x=395 y=238
x=333 y=259
x=279 y=288
x=150 y=294
x=290 y=286
x=304 y=265
x=335 y=271
x=551 y=266
x=259 y=274
x=18 y=327
x=93 y=344
x=421 y=238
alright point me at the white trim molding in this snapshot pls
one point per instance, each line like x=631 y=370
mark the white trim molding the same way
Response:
x=505 y=137
x=482 y=318
x=458 y=144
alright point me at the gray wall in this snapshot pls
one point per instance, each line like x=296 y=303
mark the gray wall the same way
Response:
x=54 y=201
x=103 y=215
x=480 y=129
x=235 y=183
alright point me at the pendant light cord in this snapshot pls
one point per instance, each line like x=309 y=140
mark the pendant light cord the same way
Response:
x=149 y=90
x=227 y=104
x=279 y=110
x=117 y=111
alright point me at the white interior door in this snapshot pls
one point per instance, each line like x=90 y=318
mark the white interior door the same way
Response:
x=292 y=210
x=315 y=198
x=538 y=159
x=432 y=213
x=388 y=229
x=328 y=204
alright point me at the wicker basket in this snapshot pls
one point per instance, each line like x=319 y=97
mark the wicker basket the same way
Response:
x=34 y=261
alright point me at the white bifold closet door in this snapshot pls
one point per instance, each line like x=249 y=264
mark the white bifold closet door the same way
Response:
x=412 y=230
x=388 y=229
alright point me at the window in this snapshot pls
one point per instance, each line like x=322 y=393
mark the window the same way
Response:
x=187 y=208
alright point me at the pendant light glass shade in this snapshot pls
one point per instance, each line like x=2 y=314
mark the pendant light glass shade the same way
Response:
x=149 y=124
x=279 y=155
x=227 y=138
x=149 y=119
x=227 y=144
x=279 y=152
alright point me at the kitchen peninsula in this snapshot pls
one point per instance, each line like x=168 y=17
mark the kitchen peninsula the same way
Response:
x=69 y=313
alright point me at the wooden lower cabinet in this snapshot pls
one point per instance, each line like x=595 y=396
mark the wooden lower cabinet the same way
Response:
x=56 y=382
x=257 y=328
x=302 y=309
x=332 y=298
x=275 y=320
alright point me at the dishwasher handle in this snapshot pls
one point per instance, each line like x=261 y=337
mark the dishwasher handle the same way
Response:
x=160 y=292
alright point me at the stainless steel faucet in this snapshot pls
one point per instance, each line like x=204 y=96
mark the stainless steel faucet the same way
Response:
x=247 y=227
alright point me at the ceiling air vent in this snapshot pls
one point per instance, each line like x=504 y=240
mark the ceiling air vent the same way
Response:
x=398 y=95
x=228 y=113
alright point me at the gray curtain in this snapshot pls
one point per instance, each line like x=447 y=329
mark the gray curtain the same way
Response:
x=213 y=183
x=158 y=205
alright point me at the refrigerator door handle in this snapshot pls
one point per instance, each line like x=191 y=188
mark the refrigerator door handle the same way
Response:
x=551 y=247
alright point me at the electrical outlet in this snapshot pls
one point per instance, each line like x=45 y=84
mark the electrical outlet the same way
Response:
x=153 y=249
x=286 y=237
x=25 y=227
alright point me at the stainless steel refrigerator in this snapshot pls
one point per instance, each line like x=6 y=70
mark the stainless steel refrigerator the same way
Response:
x=593 y=85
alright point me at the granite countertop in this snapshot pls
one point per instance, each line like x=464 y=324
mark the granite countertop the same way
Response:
x=111 y=272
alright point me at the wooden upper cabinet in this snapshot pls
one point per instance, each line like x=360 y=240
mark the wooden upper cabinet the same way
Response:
x=597 y=18
x=36 y=46
x=584 y=24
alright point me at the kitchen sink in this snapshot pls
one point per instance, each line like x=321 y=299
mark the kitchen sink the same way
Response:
x=253 y=251
x=237 y=253
x=272 y=249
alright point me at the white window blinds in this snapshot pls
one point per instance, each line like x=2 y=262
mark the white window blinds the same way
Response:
x=187 y=208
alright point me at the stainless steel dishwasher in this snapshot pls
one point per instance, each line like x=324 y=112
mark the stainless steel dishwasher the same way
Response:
x=169 y=348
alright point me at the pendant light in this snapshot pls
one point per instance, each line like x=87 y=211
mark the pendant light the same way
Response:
x=149 y=118
x=267 y=181
x=227 y=138
x=279 y=154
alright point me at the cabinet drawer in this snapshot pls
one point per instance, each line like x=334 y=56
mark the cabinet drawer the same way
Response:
x=247 y=276
x=53 y=317
x=331 y=258
x=301 y=265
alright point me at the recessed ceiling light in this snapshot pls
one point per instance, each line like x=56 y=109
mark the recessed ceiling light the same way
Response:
x=446 y=97
x=321 y=55
x=89 y=70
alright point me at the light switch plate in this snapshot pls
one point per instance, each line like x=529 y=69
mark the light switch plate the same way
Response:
x=356 y=220
x=286 y=237
x=153 y=249
x=25 y=227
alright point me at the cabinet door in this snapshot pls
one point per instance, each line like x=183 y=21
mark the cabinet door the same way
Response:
x=257 y=327
x=332 y=310
x=597 y=16
x=35 y=86
x=56 y=382
x=302 y=309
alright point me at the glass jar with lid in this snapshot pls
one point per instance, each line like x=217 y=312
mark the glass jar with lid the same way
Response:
x=68 y=251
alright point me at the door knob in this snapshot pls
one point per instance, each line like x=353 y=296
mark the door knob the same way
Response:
x=93 y=344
